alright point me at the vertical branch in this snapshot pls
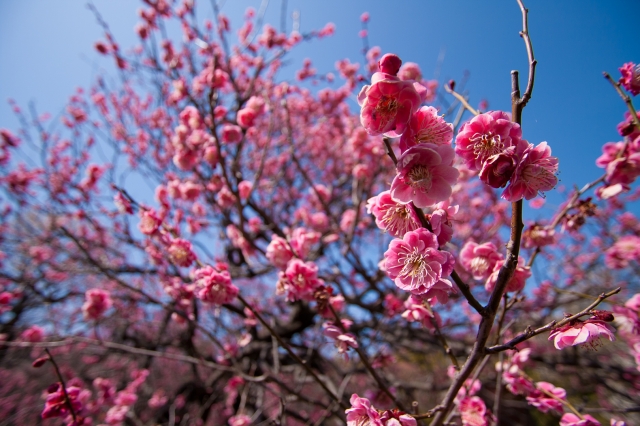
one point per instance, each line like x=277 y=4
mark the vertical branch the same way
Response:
x=513 y=247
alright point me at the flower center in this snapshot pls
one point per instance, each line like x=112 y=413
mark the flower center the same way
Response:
x=178 y=254
x=415 y=266
x=420 y=177
x=433 y=134
x=487 y=144
x=387 y=107
x=479 y=265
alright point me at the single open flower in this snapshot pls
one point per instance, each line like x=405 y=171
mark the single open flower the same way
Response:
x=362 y=412
x=479 y=259
x=579 y=332
x=416 y=265
x=425 y=175
x=387 y=104
x=486 y=135
x=391 y=216
x=536 y=172
x=426 y=126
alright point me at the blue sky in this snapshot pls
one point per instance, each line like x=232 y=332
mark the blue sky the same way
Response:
x=46 y=51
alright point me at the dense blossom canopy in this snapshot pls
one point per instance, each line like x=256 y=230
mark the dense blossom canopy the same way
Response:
x=213 y=238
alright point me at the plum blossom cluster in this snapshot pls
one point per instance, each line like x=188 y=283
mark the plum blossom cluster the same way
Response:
x=483 y=262
x=391 y=106
x=492 y=145
x=424 y=178
x=297 y=279
x=363 y=413
x=542 y=395
x=620 y=160
x=61 y=401
x=213 y=285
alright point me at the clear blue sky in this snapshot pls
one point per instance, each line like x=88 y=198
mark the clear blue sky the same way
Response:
x=46 y=52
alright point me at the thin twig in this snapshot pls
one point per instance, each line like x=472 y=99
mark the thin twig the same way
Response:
x=532 y=61
x=461 y=99
x=529 y=333
x=290 y=351
x=625 y=98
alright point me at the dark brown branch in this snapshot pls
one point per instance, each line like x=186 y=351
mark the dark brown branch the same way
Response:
x=513 y=250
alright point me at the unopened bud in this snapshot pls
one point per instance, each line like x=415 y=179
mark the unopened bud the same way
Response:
x=40 y=362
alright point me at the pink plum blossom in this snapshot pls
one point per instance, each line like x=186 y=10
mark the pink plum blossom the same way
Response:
x=479 y=259
x=214 y=286
x=536 y=172
x=299 y=280
x=343 y=341
x=486 y=135
x=33 y=334
x=544 y=402
x=278 y=252
x=416 y=265
x=244 y=189
x=628 y=126
x=240 y=420
x=302 y=240
x=630 y=79
x=246 y=117
x=97 y=302
x=391 y=216
x=570 y=419
x=538 y=235
x=442 y=221
x=362 y=413
x=416 y=311
x=181 y=253
x=410 y=71
x=625 y=250
x=56 y=404
x=499 y=168
x=231 y=133
x=389 y=64
x=579 y=332
x=517 y=281
x=387 y=104
x=149 y=222
x=426 y=126
x=473 y=411
x=392 y=305
x=397 y=418
x=425 y=175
